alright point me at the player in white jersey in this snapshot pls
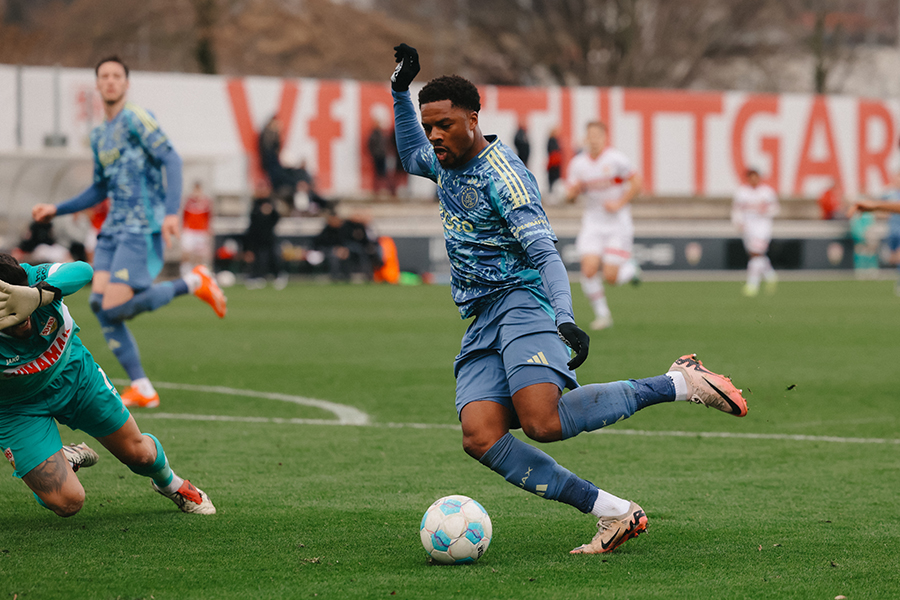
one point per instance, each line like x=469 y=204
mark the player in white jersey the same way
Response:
x=755 y=205
x=607 y=181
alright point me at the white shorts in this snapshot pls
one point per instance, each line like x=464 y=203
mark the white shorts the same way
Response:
x=756 y=245
x=757 y=235
x=196 y=243
x=612 y=246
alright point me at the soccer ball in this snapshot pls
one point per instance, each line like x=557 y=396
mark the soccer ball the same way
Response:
x=225 y=279
x=456 y=530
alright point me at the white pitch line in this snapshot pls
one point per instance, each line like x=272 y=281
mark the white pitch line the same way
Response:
x=688 y=434
x=347 y=415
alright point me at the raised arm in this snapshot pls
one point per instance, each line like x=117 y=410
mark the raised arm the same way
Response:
x=43 y=213
x=412 y=145
x=870 y=205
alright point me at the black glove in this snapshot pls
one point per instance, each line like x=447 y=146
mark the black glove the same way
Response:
x=407 y=67
x=575 y=339
x=48 y=293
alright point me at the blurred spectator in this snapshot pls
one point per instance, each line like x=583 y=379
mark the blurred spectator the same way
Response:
x=306 y=198
x=400 y=176
x=196 y=242
x=284 y=180
x=379 y=146
x=554 y=158
x=348 y=246
x=831 y=202
x=260 y=242
x=523 y=146
x=39 y=245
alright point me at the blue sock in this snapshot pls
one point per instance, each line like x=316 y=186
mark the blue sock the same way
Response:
x=159 y=471
x=535 y=471
x=119 y=340
x=146 y=300
x=181 y=287
x=596 y=405
x=653 y=390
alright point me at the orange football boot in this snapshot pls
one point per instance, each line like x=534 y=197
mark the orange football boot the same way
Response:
x=132 y=397
x=210 y=292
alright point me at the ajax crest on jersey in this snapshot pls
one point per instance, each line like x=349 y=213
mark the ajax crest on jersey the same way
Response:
x=455 y=530
x=469 y=197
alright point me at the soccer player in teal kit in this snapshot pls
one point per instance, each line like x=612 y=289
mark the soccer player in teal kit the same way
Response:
x=130 y=153
x=507 y=275
x=48 y=376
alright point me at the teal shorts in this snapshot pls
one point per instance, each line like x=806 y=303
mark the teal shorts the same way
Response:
x=81 y=397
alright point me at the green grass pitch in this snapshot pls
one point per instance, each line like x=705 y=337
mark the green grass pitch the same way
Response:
x=797 y=500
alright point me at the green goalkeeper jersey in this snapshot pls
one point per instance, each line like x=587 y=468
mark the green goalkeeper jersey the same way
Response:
x=30 y=365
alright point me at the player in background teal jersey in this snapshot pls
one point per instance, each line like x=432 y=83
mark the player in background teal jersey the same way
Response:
x=136 y=166
x=49 y=376
x=506 y=273
x=888 y=202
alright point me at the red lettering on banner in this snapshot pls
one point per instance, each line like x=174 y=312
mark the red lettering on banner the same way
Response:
x=769 y=145
x=870 y=110
x=249 y=135
x=808 y=166
x=649 y=103
x=605 y=115
x=371 y=95
x=324 y=129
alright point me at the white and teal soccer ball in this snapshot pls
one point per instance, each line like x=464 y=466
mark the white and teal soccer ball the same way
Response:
x=456 y=530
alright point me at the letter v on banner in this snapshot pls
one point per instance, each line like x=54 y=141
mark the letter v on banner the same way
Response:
x=240 y=106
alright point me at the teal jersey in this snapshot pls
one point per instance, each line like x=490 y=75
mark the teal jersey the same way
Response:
x=30 y=365
x=128 y=163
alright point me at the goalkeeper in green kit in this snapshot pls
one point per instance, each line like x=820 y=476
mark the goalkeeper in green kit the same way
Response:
x=49 y=376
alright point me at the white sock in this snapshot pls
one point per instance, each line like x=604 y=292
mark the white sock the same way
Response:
x=173 y=485
x=681 y=387
x=593 y=289
x=626 y=272
x=144 y=386
x=768 y=273
x=754 y=270
x=193 y=281
x=608 y=505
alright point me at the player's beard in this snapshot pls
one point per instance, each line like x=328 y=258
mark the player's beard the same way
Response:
x=113 y=101
x=450 y=159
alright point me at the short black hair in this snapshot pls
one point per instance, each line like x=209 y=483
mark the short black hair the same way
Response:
x=114 y=58
x=11 y=271
x=459 y=91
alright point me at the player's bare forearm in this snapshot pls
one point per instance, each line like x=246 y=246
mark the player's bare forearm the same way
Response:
x=870 y=205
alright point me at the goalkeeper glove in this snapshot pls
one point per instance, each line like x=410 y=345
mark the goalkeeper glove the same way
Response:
x=577 y=340
x=407 y=67
x=17 y=302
